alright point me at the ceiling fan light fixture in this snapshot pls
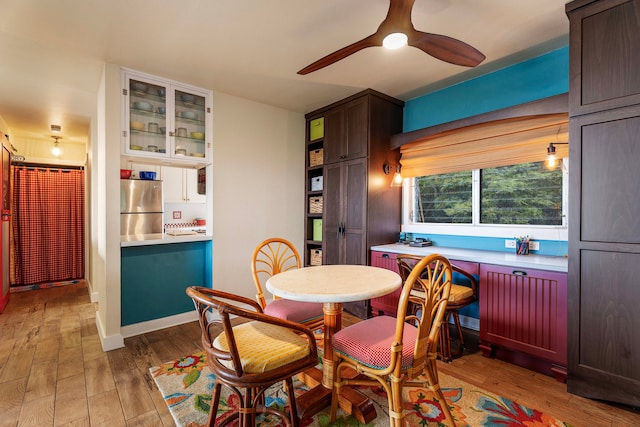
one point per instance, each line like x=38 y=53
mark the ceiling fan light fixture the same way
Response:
x=395 y=41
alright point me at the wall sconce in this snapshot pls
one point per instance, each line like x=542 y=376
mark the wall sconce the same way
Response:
x=396 y=181
x=397 y=177
x=552 y=160
x=56 y=150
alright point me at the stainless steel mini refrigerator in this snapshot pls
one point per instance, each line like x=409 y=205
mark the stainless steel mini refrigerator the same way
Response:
x=141 y=207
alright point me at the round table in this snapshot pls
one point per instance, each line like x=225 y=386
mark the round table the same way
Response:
x=332 y=285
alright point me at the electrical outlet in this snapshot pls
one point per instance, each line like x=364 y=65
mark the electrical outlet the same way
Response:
x=534 y=246
x=509 y=243
x=178 y=215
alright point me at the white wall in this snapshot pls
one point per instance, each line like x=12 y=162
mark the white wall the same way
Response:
x=39 y=151
x=106 y=209
x=258 y=192
x=258 y=185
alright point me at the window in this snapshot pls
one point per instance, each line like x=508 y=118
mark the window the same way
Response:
x=525 y=194
x=444 y=198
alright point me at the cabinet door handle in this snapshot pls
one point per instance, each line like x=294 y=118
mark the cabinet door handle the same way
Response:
x=519 y=273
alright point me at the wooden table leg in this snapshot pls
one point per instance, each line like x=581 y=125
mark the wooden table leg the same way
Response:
x=319 y=397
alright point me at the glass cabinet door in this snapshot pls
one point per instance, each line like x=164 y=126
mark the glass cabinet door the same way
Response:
x=147 y=117
x=190 y=124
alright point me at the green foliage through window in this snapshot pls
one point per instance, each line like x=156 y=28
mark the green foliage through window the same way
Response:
x=527 y=194
x=444 y=198
x=524 y=194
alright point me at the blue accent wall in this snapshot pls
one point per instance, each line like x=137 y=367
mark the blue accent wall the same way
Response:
x=547 y=247
x=154 y=279
x=540 y=77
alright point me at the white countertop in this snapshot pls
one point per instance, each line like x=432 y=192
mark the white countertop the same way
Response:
x=160 y=239
x=540 y=262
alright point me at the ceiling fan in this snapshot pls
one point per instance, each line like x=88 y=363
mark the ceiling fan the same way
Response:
x=398 y=21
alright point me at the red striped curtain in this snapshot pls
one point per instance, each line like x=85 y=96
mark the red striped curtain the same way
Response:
x=48 y=225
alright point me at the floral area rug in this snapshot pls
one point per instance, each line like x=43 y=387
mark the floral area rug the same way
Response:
x=186 y=386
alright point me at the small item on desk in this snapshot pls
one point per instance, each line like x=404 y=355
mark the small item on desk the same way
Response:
x=419 y=242
x=522 y=245
x=180 y=233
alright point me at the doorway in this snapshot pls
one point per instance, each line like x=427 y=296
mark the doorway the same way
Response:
x=47 y=225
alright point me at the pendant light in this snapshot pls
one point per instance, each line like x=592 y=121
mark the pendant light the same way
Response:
x=56 y=150
x=552 y=159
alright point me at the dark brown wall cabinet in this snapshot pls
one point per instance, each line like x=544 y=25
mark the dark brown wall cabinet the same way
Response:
x=359 y=206
x=604 y=227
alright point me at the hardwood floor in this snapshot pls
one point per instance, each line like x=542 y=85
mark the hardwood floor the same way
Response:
x=53 y=371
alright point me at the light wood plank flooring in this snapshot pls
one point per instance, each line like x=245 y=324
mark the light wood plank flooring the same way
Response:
x=53 y=371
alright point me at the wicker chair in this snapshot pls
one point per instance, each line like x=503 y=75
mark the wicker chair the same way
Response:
x=250 y=357
x=464 y=291
x=395 y=352
x=274 y=256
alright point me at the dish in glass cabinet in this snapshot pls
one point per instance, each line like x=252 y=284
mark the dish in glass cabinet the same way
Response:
x=191 y=115
x=197 y=154
x=197 y=135
x=161 y=92
x=135 y=147
x=137 y=125
x=162 y=110
x=185 y=97
x=139 y=87
x=141 y=105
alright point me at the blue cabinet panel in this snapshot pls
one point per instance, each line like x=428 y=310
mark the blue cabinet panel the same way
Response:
x=154 y=279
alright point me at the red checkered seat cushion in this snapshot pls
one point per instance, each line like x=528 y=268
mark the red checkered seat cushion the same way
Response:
x=295 y=311
x=369 y=342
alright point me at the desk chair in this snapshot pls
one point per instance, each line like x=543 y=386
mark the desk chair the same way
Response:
x=274 y=256
x=395 y=352
x=464 y=291
x=250 y=357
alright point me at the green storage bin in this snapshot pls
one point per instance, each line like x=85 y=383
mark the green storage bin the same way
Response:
x=316 y=129
x=317 y=230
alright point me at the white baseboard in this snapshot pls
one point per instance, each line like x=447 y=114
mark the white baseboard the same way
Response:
x=157 y=324
x=94 y=296
x=470 y=323
x=111 y=342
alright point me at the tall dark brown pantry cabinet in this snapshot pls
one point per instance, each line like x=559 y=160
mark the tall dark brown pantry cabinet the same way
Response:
x=350 y=203
x=604 y=200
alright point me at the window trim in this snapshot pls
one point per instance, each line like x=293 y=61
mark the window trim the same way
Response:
x=538 y=232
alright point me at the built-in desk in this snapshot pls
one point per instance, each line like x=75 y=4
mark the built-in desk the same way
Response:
x=508 y=259
x=522 y=309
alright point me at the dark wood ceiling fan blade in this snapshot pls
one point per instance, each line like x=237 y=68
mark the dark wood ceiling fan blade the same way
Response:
x=446 y=48
x=372 y=40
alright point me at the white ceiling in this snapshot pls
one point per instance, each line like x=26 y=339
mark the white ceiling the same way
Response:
x=52 y=52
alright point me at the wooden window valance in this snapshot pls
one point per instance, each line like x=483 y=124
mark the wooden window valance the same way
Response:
x=498 y=143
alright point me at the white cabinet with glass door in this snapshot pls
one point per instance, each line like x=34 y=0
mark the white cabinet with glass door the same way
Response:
x=181 y=185
x=165 y=119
